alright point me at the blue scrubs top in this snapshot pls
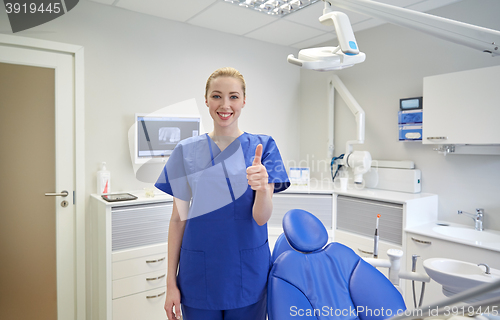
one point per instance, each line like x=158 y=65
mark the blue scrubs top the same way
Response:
x=225 y=258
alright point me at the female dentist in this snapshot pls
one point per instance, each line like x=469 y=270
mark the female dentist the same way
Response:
x=222 y=184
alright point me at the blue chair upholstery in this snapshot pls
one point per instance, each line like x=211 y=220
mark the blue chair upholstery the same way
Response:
x=280 y=246
x=311 y=280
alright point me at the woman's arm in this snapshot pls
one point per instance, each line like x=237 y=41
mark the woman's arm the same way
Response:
x=175 y=234
x=263 y=204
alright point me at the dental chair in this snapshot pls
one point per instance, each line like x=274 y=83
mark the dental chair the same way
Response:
x=311 y=280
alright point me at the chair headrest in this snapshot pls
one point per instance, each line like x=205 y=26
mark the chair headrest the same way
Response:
x=303 y=231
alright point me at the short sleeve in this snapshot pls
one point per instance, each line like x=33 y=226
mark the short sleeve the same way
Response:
x=173 y=179
x=271 y=159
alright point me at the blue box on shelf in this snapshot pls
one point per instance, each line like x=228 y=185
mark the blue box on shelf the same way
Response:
x=411 y=132
x=410 y=116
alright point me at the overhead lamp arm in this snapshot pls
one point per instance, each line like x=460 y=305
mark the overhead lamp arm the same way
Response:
x=359 y=161
x=357 y=111
x=479 y=38
x=345 y=35
x=345 y=55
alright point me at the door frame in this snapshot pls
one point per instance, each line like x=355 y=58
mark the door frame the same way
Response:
x=79 y=144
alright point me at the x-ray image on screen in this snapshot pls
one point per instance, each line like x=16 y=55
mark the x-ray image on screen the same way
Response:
x=168 y=135
x=158 y=135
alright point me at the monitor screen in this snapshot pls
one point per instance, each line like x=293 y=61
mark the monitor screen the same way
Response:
x=157 y=135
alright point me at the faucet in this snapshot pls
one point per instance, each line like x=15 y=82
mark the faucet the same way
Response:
x=477 y=217
x=414 y=263
x=487 y=267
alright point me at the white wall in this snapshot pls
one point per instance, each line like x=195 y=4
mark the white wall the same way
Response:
x=397 y=61
x=139 y=63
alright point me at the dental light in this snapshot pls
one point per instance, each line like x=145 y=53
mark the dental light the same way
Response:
x=333 y=58
x=483 y=39
x=345 y=55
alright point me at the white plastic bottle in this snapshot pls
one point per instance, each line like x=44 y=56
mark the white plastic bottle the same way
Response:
x=103 y=180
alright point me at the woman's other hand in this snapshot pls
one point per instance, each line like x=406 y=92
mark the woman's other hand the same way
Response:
x=173 y=302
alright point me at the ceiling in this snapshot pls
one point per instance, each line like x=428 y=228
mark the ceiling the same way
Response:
x=299 y=30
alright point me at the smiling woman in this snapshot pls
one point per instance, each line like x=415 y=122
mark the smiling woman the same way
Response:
x=222 y=183
x=225 y=99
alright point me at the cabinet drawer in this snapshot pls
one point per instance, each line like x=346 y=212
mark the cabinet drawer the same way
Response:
x=146 y=264
x=363 y=247
x=140 y=283
x=359 y=215
x=139 y=225
x=145 y=305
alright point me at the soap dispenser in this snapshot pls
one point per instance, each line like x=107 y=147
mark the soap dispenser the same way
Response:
x=103 y=180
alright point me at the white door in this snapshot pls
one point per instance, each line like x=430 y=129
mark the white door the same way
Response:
x=38 y=250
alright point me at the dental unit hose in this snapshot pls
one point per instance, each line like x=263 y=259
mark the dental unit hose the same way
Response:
x=332 y=163
x=375 y=239
x=414 y=269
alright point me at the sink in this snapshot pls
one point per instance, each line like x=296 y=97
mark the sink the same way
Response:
x=457 y=276
x=469 y=234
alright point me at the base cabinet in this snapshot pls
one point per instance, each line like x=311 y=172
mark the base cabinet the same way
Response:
x=428 y=247
x=143 y=305
x=129 y=258
x=363 y=246
x=320 y=204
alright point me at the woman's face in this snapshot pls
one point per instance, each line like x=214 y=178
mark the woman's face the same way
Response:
x=225 y=100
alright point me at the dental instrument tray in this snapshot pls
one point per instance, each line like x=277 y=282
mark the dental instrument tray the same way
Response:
x=118 y=197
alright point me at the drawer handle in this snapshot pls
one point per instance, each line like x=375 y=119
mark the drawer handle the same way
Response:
x=365 y=252
x=155 y=296
x=437 y=138
x=157 y=260
x=421 y=241
x=157 y=278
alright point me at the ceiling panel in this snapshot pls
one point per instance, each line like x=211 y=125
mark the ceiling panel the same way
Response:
x=172 y=10
x=424 y=6
x=400 y=3
x=284 y=32
x=310 y=16
x=300 y=29
x=227 y=17
x=315 y=41
x=109 y=2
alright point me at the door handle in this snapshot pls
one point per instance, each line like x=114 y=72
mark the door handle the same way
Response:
x=63 y=193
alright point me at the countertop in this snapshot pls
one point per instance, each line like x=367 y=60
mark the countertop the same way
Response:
x=141 y=198
x=428 y=229
x=373 y=194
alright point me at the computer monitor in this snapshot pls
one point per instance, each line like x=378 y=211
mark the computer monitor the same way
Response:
x=157 y=135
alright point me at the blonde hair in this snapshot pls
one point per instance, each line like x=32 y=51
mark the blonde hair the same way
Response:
x=225 y=72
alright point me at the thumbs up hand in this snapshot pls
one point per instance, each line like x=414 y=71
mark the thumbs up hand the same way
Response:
x=257 y=174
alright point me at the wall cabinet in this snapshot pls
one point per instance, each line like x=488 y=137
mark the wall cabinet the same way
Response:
x=429 y=247
x=128 y=242
x=462 y=107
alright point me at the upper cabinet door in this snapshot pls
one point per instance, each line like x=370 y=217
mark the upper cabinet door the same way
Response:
x=462 y=107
